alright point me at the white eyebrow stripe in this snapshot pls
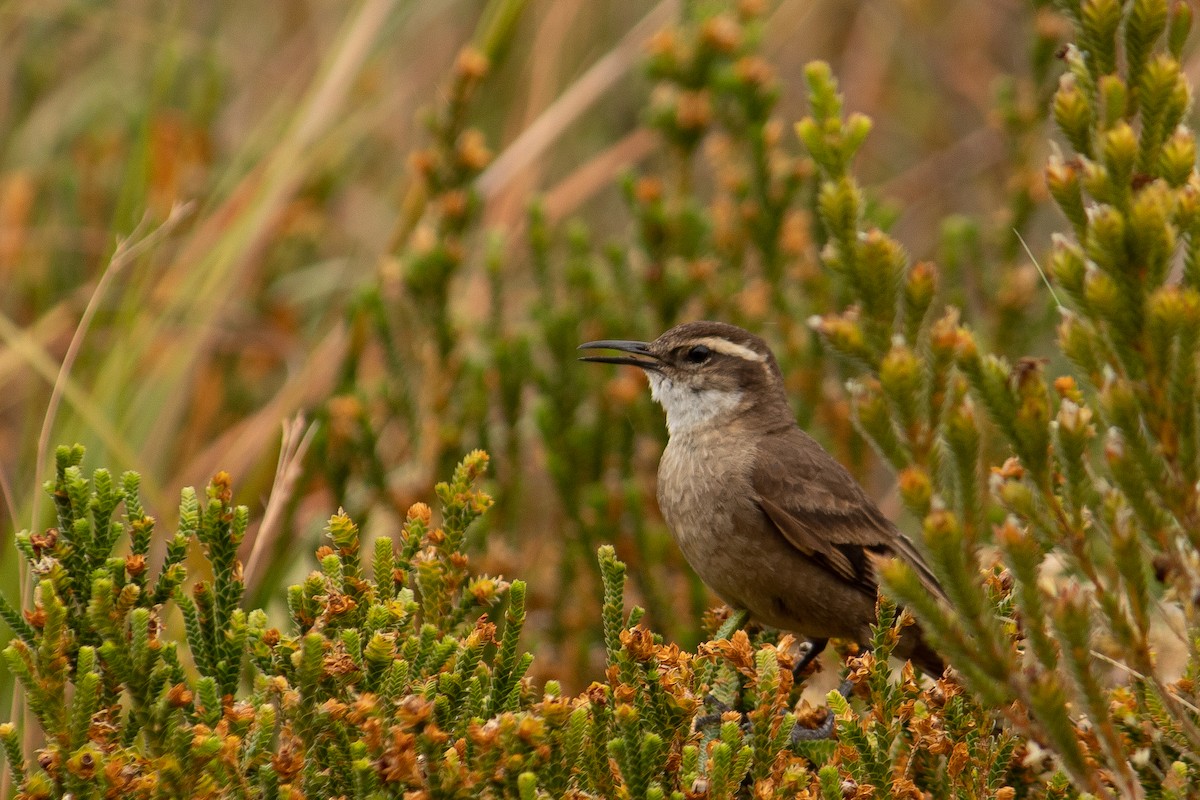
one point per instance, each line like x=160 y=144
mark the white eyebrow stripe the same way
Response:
x=728 y=348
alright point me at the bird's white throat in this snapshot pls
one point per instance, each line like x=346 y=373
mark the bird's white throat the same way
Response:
x=688 y=408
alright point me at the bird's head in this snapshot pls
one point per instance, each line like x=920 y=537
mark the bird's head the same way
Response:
x=702 y=373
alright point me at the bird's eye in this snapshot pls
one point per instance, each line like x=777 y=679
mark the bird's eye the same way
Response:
x=698 y=354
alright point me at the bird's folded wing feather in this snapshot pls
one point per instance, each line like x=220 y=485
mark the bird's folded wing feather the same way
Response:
x=820 y=509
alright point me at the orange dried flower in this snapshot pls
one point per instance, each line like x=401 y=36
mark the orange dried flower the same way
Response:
x=420 y=512
x=1011 y=469
x=648 y=190
x=36 y=617
x=472 y=150
x=44 y=541
x=179 y=696
x=222 y=485
x=596 y=694
x=664 y=43
x=754 y=71
x=722 y=33
x=135 y=564
x=959 y=759
x=398 y=764
x=639 y=643
x=737 y=651
x=339 y=664
x=693 y=111
x=472 y=65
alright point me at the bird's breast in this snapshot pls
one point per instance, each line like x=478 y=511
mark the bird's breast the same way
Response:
x=704 y=492
x=700 y=476
x=709 y=503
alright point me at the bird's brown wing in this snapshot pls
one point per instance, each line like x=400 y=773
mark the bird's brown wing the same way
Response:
x=821 y=510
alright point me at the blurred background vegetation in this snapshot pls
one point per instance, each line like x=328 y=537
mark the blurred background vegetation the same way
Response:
x=399 y=219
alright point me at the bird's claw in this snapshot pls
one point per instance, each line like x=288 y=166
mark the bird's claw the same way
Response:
x=825 y=729
x=799 y=733
x=822 y=731
x=719 y=710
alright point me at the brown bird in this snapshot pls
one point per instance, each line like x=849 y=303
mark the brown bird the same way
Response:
x=767 y=518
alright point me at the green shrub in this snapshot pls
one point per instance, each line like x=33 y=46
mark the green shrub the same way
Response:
x=391 y=680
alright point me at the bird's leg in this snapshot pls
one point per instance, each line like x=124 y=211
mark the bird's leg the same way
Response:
x=815 y=648
x=718 y=708
x=812 y=649
x=825 y=729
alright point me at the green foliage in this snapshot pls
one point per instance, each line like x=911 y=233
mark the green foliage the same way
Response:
x=124 y=714
x=397 y=682
x=1093 y=531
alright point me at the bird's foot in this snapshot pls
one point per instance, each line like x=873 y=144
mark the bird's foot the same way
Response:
x=801 y=733
x=810 y=650
x=716 y=713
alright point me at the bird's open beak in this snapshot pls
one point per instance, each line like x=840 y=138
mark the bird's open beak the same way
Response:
x=647 y=360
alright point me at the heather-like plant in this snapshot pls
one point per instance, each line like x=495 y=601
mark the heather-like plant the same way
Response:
x=391 y=680
x=1085 y=535
x=234 y=707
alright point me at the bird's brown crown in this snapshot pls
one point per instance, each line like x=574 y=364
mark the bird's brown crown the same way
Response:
x=720 y=355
